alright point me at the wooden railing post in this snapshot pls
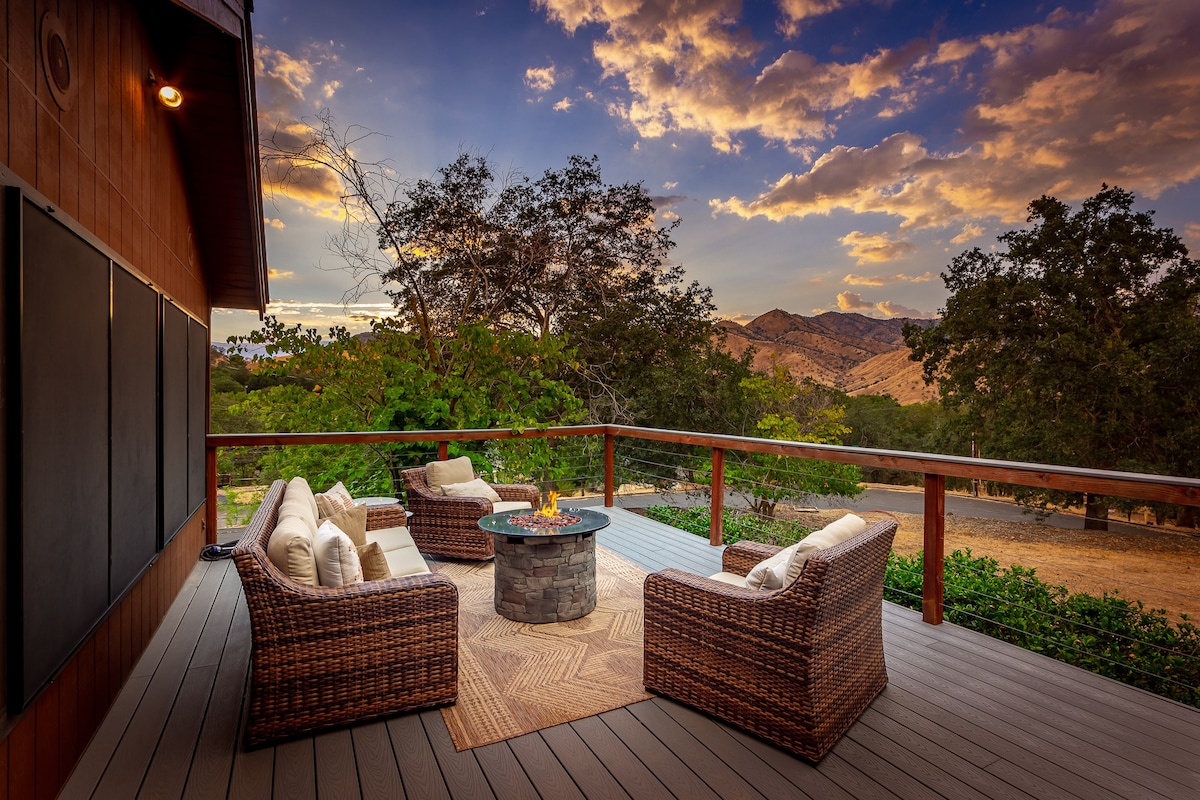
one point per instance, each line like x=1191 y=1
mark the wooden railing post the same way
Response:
x=443 y=451
x=716 y=518
x=609 y=468
x=210 y=512
x=933 y=589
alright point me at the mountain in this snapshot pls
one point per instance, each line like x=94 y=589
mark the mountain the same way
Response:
x=851 y=352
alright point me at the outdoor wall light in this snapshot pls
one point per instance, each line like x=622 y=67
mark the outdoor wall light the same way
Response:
x=168 y=95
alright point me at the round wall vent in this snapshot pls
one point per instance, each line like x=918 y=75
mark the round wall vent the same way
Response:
x=56 y=62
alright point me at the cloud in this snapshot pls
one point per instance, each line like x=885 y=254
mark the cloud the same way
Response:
x=1191 y=233
x=689 y=65
x=540 y=79
x=1064 y=105
x=970 y=231
x=275 y=274
x=661 y=201
x=669 y=185
x=564 y=104
x=288 y=87
x=872 y=248
x=277 y=224
x=853 y=302
x=796 y=11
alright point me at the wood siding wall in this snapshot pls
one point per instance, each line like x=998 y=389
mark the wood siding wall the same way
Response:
x=110 y=164
x=39 y=753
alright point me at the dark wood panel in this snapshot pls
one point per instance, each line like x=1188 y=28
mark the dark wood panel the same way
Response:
x=167 y=774
x=461 y=771
x=213 y=762
x=337 y=774
x=581 y=763
x=134 y=429
x=719 y=776
x=47 y=757
x=174 y=419
x=197 y=412
x=544 y=770
x=670 y=770
x=716 y=738
x=414 y=755
x=379 y=777
x=504 y=772
x=57 y=591
x=633 y=776
x=295 y=771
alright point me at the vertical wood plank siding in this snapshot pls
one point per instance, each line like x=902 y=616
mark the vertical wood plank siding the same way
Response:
x=110 y=163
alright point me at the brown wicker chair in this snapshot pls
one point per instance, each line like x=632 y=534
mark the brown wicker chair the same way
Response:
x=449 y=526
x=323 y=657
x=795 y=666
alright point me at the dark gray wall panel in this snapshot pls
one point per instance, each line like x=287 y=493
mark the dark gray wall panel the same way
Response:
x=65 y=464
x=134 y=430
x=197 y=411
x=174 y=419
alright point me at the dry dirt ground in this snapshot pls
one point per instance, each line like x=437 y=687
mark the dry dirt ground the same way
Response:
x=1159 y=567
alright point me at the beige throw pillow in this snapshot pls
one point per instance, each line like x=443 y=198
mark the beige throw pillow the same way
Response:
x=456 y=470
x=352 y=522
x=374 y=562
x=333 y=500
x=291 y=550
x=475 y=488
x=845 y=528
x=785 y=566
x=336 y=557
x=770 y=572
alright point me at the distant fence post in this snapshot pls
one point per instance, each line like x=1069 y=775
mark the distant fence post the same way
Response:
x=210 y=512
x=609 y=462
x=716 y=517
x=933 y=588
x=443 y=451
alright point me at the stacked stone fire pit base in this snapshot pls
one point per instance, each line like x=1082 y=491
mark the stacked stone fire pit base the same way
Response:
x=545 y=578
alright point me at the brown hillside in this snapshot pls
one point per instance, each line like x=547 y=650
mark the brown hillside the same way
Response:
x=857 y=354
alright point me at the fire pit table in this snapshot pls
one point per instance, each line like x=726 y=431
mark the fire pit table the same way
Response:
x=545 y=574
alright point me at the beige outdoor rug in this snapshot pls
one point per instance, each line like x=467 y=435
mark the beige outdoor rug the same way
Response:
x=516 y=678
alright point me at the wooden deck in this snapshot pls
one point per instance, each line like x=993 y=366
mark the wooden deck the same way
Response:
x=964 y=716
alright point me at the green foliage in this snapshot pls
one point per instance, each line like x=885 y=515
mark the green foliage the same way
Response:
x=385 y=381
x=801 y=412
x=1108 y=635
x=880 y=422
x=1076 y=344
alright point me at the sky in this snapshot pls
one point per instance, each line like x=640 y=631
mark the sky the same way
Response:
x=821 y=155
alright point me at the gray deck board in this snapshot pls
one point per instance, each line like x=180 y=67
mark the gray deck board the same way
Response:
x=964 y=716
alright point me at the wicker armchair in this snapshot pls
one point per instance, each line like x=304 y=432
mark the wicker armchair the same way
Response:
x=323 y=657
x=795 y=666
x=449 y=526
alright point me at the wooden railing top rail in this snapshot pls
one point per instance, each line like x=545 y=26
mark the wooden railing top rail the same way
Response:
x=1133 y=485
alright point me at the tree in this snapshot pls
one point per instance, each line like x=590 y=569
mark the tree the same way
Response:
x=800 y=412
x=384 y=381
x=1077 y=345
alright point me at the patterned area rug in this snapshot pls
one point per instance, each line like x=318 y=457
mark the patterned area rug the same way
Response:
x=516 y=678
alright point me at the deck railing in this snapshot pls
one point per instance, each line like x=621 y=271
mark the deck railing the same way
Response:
x=934 y=468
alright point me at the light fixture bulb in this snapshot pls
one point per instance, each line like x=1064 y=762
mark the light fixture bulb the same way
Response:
x=170 y=97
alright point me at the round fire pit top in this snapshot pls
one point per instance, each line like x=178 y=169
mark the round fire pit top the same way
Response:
x=589 y=521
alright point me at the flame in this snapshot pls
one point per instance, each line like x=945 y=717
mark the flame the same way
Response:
x=550 y=510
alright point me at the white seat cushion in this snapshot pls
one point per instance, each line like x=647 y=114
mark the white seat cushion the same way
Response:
x=510 y=505
x=731 y=578
x=406 y=561
x=390 y=538
x=770 y=572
